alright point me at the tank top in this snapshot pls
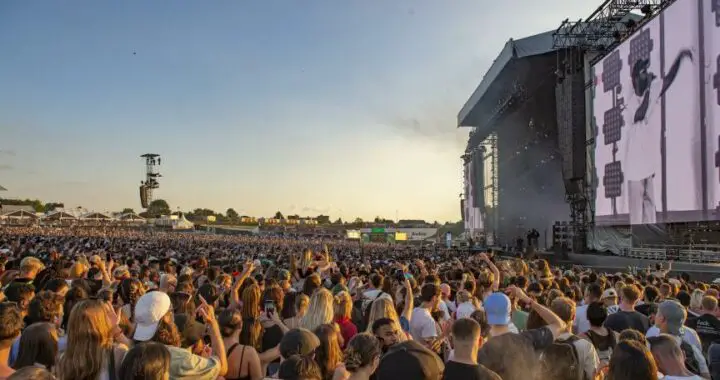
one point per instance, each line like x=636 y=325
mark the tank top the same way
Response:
x=242 y=355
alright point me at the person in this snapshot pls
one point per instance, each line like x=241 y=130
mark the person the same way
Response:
x=670 y=319
x=707 y=324
x=243 y=361
x=38 y=346
x=593 y=292
x=410 y=360
x=587 y=357
x=524 y=345
x=298 y=310
x=299 y=367
x=10 y=327
x=670 y=358
x=610 y=299
x=626 y=317
x=423 y=327
x=320 y=312
x=329 y=355
x=387 y=332
x=632 y=360
x=146 y=361
x=32 y=373
x=343 y=310
x=602 y=338
x=91 y=349
x=45 y=307
x=154 y=322
x=362 y=356
x=463 y=365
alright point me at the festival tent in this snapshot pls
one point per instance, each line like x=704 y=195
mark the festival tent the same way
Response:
x=59 y=215
x=131 y=216
x=95 y=216
x=20 y=214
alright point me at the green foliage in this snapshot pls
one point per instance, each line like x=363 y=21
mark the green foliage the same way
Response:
x=158 y=207
x=279 y=215
x=232 y=214
x=128 y=210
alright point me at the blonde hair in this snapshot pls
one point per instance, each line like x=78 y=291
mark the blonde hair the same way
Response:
x=696 y=299
x=383 y=308
x=250 y=312
x=89 y=341
x=78 y=270
x=30 y=264
x=343 y=305
x=320 y=311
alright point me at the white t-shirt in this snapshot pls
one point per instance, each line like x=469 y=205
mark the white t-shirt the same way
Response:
x=688 y=335
x=464 y=310
x=446 y=311
x=581 y=323
x=422 y=325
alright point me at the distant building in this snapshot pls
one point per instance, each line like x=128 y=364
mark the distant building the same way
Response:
x=323 y=219
x=248 y=219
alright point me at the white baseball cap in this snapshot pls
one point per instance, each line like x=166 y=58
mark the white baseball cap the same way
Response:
x=149 y=310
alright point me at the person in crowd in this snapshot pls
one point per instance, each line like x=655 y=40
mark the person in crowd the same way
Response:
x=243 y=361
x=410 y=360
x=602 y=338
x=21 y=293
x=91 y=349
x=423 y=326
x=300 y=304
x=302 y=343
x=632 y=360
x=146 y=361
x=650 y=297
x=129 y=292
x=524 y=345
x=669 y=320
x=593 y=293
x=362 y=356
x=38 y=346
x=329 y=355
x=466 y=304
x=587 y=356
x=343 y=310
x=154 y=323
x=467 y=340
x=299 y=367
x=610 y=299
x=626 y=317
x=45 y=307
x=320 y=312
x=706 y=324
x=387 y=332
x=10 y=327
x=695 y=306
x=32 y=373
x=669 y=358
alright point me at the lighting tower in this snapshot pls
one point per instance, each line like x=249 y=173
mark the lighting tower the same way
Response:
x=152 y=161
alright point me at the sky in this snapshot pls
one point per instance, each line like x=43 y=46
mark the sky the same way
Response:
x=346 y=108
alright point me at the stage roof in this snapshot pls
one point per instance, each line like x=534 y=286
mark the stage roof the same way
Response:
x=484 y=98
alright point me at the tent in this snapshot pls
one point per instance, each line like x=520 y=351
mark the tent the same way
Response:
x=96 y=216
x=20 y=214
x=59 y=215
x=131 y=217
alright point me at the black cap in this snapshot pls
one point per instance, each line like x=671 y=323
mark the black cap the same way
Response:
x=410 y=360
x=298 y=342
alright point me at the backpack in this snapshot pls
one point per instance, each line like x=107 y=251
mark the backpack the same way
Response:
x=691 y=362
x=561 y=361
x=603 y=345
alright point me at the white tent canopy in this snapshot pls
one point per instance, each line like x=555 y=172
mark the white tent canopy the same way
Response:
x=95 y=216
x=19 y=214
x=59 y=215
x=132 y=217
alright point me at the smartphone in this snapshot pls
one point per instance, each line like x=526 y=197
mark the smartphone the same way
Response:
x=269 y=307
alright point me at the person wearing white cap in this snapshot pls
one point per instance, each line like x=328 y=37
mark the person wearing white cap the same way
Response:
x=154 y=322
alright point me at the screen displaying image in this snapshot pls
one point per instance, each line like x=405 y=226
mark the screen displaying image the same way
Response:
x=648 y=107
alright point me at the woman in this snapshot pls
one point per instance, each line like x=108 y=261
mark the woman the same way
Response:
x=91 y=353
x=632 y=360
x=252 y=330
x=320 y=311
x=129 y=291
x=328 y=355
x=362 y=357
x=300 y=304
x=73 y=296
x=38 y=346
x=146 y=361
x=343 y=309
x=243 y=361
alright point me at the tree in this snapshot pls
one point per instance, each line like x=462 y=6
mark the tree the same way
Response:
x=128 y=210
x=338 y=221
x=358 y=221
x=231 y=213
x=51 y=206
x=323 y=219
x=279 y=215
x=158 y=207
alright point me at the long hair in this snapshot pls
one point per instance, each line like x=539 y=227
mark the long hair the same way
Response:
x=167 y=332
x=230 y=320
x=361 y=351
x=38 y=344
x=252 y=330
x=146 y=361
x=74 y=295
x=343 y=305
x=320 y=311
x=632 y=360
x=130 y=291
x=328 y=355
x=383 y=308
x=89 y=340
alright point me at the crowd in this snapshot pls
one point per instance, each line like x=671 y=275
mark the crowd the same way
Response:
x=116 y=304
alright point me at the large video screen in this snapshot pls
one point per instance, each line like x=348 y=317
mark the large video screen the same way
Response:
x=655 y=106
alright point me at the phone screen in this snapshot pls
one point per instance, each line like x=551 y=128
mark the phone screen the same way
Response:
x=269 y=307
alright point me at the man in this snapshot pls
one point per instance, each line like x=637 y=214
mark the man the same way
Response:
x=29 y=268
x=707 y=324
x=626 y=317
x=670 y=358
x=410 y=360
x=593 y=292
x=423 y=327
x=587 y=355
x=523 y=346
x=10 y=327
x=650 y=296
x=387 y=333
x=670 y=319
x=21 y=293
x=463 y=365
x=610 y=299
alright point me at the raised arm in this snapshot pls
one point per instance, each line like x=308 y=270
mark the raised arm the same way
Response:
x=234 y=296
x=494 y=269
x=555 y=324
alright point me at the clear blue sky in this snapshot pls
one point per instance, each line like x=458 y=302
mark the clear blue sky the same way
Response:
x=318 y=106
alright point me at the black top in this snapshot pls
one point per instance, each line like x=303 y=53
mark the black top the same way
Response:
x=462 y=371
x=623 y=320
x=707 y=327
